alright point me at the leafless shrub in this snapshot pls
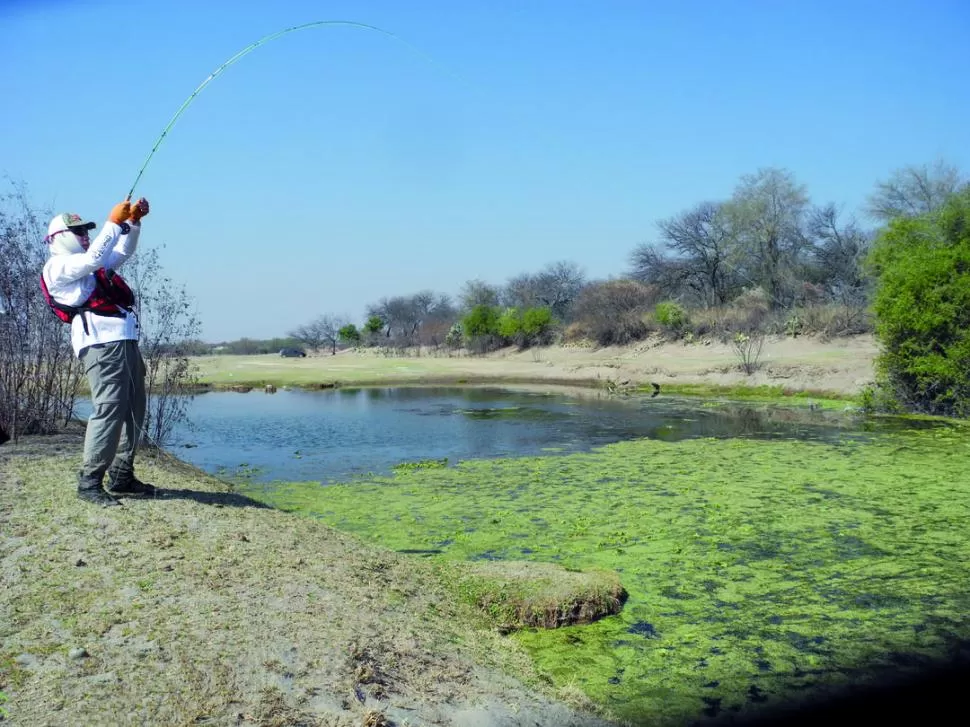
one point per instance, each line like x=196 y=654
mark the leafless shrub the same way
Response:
x=747 y=348
x=39 y=375
x=611 y=312
x=168 y=326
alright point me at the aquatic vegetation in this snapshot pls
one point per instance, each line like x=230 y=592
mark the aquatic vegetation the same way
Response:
x=423 y=464
x=757 y=571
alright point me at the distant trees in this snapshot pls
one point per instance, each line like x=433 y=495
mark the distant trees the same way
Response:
x=612 y=312
x=838 y=251
x=758 y=237
x=402 y=317
x=349 y=334
x=692 y=257
x=765 y=258
x=556 y=287
x=321 y=330
x=767 y=237
x=477 y=292
x=914 y=190
x=768 y=212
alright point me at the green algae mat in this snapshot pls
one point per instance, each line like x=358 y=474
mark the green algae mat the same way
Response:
x=759 y=572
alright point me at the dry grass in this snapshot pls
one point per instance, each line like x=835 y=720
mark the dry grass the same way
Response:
x=836 y=365
x=203 y=607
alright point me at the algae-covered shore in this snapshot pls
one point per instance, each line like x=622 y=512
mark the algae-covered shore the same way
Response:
x=750 y=574
x=759 y=573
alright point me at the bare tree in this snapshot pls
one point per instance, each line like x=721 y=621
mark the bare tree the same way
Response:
x=560 y=284
x=652 y=265
x=698 y=245
x=703 y=237
x=310 y=335
x=329 y=326
x=404 y=316
x=437 y=320
x=611 y=312
x=555 y=287
x=478 y=292
x=397 y=314
x=767 y=213
x=521 y=291
x=168 y=327
x=39 y=374
x=322 y=330
x=914 y=190
x=839 y=250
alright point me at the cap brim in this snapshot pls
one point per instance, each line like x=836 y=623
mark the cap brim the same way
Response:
x=86 y=225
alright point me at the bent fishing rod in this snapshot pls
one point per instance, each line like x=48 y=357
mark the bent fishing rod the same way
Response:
x=249 y=49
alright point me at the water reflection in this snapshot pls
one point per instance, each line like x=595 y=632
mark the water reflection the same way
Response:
x=336 y=434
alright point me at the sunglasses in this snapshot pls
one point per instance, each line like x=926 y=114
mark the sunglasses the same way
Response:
x=80 y=231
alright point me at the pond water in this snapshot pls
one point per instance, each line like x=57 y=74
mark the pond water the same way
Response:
x=333 y=435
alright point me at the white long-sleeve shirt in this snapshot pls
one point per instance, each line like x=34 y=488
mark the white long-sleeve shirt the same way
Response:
x=70 y=280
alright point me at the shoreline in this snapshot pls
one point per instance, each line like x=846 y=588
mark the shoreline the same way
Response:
x=834 y=369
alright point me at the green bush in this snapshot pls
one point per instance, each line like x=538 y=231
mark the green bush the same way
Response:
x=509 y=325
x=671 y=316
x=374 y=325
x=922 y=308
x=349 y=334
x=482 y=320
x=480 y=327
x=537 y=325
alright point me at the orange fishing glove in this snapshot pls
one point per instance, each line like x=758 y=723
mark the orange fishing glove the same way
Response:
x=139 y=210
x=120 y=212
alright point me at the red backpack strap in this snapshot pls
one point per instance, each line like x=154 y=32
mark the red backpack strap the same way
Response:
x=65 y=312
x=114 y=288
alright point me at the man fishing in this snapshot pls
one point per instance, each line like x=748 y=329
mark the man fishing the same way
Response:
x=81 y=286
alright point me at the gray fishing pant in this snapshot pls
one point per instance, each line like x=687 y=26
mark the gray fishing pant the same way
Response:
x=116 y=375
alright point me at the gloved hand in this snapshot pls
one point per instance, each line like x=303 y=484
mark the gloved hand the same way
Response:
x=120 y=212
x=139 y=210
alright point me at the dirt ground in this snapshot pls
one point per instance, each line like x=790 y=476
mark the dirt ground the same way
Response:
x=202 y=607
x=839 y=366
x=842 y=365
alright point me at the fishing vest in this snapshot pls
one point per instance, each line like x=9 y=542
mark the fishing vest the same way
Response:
x=111 y=297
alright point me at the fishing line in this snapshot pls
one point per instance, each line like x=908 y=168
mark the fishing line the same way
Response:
x=249 y=49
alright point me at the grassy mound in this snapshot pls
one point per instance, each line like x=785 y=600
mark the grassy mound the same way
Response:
x=520 y=594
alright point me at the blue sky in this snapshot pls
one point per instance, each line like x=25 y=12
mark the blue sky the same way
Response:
x=335 y=166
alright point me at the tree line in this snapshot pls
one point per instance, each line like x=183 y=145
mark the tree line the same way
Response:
x=765 y=260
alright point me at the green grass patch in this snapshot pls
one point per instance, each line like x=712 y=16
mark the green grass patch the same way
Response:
x=520 y=594
x=780 y=394
x=424 y=464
